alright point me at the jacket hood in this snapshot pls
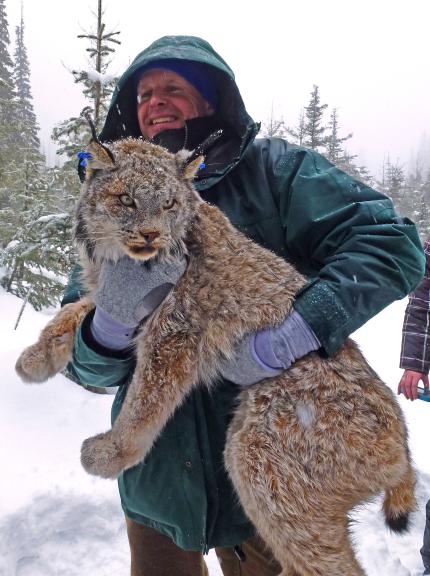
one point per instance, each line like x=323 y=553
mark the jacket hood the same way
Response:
x=121 y=120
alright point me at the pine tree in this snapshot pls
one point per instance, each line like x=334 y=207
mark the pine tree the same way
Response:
x=274 y=126
x=417 y=191
x=35 y=239
x=39 y=255
x=314 y=129
x=30 y=161
x=336 y=153
x=298 y=132
x=29 y=138
x=334 y=149
x=409 y=199
x=97 y=85
x=395 y=179
x=8 y=114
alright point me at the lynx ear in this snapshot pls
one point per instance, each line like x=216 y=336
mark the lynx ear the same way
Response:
x=189 y=165
x=100 y=157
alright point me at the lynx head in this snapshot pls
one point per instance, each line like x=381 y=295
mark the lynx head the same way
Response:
x=137 y=199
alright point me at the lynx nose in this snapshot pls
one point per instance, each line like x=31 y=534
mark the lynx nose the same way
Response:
x=149 y=236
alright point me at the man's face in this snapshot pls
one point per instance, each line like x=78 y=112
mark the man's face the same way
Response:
x=165 y=100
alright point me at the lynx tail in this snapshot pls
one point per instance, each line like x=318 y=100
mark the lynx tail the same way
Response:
x=399 y=502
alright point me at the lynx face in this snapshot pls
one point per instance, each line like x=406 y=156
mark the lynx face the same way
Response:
x=136 y=202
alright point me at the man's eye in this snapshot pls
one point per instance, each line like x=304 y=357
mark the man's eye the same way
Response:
x=126 y=200
x=173 y=89
x=142 y=97
x=169 y=204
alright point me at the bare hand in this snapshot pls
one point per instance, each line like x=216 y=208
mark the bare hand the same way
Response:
x=408 y=384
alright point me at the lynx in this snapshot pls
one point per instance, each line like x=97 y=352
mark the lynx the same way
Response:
x=304 y=447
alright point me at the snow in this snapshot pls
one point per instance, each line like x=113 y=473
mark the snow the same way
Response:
x=57 y=520
x=96 y=76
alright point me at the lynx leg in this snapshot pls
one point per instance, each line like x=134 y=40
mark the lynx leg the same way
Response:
x=158 y=387
x=53 y=350
x=306 y=540
x=301 y=515
x=323 y=558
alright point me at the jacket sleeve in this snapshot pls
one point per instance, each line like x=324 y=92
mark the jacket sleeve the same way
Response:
x=365 y=254
x=415 y=353
x=91 y=363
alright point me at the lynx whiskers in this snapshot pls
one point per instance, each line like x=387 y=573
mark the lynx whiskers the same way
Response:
x=304 y=447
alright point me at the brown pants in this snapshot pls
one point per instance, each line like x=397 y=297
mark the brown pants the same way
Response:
x=153 y=554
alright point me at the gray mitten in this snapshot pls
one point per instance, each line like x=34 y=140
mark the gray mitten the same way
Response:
x=128 y=292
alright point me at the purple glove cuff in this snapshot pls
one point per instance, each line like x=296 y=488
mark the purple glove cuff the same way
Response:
x=262 y=352
x=109 y=332
x=277 y=348
x=269 y=352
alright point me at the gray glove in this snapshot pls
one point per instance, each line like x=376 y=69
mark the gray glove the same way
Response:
x=128 y=292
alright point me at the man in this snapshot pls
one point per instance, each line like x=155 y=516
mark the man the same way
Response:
x=346 y=237
x=415 y=360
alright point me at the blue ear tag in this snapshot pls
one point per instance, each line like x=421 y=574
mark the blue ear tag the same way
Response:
x=202 y=165
x=83 y=158
x=423 y=394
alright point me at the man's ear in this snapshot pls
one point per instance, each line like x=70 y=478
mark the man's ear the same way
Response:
x=189 y=168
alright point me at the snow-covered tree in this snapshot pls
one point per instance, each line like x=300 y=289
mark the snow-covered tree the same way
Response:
x=336 y=152
x=73 y=134
x=410 y=194
x=273 y=126
x=38 y=256
x=334 y=148
x=28 y=136
x=395 y=179
x=35 y=243
x=417 y=195
x=297 y=133
x=8 y=113
x=314 y=130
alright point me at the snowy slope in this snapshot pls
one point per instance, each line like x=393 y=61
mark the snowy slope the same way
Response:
x=57 y=520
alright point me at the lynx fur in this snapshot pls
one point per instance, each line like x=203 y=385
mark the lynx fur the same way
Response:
x=304 y=447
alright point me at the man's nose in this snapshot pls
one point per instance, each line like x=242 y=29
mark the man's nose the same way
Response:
x=157 y=99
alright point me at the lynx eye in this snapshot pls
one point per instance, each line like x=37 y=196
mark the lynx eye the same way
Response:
x=169 y=204
x=126 y=200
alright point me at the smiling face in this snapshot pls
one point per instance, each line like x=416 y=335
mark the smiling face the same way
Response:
x=165 y=100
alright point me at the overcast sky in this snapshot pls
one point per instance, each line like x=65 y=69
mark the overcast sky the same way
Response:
x=370 y=58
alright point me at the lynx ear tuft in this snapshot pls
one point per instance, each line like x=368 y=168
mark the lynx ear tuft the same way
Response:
x=189 y=165
x=100 y=157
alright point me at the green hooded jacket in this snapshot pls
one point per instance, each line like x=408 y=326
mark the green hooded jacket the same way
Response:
x=359 y=256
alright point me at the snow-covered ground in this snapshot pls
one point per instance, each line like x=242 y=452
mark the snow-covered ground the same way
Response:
x=57 y=520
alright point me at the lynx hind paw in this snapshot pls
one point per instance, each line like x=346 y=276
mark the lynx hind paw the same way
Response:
x=101 y=456
x=39 y=362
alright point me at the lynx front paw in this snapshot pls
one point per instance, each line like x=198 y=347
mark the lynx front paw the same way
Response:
x=32 y=365
x=45 y=358
x=102 y=456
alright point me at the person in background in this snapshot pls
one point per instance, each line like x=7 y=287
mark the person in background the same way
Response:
x=358 y=254
x=415 y=361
